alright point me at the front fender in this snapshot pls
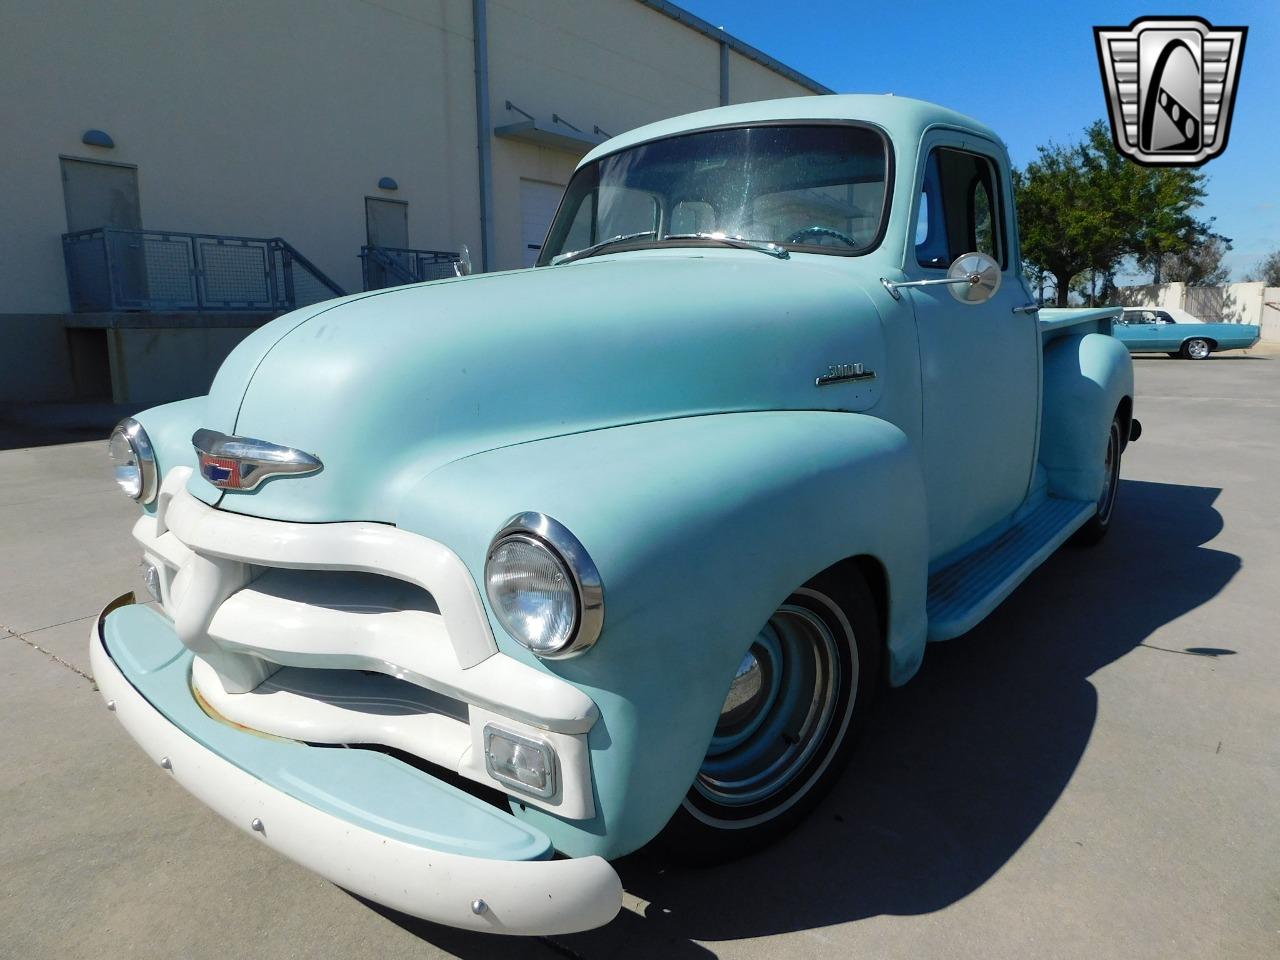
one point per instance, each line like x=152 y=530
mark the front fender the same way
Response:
x=169 y=428
x=700 y=527
x=1085 y=379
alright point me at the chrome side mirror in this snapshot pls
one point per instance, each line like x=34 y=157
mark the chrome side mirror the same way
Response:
x=462 y=266
x=979 y=275
x=973 y=278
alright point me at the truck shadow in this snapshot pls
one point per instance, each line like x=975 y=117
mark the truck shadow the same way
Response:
x=962 y=764
x=958 y=767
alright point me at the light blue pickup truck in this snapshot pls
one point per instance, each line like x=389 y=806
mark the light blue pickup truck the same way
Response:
x=1160 y=330
x=619 y=548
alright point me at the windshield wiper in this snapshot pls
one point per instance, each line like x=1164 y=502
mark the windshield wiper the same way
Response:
x=597 y=247
x=741 y=243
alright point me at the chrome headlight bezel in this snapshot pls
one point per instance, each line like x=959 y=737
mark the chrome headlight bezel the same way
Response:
x=588 y=588
x=144 y=457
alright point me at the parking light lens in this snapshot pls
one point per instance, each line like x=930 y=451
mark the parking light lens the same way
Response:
x=521 y=762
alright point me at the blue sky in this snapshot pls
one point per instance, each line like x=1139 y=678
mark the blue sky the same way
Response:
x=1030 y=71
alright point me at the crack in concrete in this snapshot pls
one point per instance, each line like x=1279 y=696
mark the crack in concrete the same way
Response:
x=50 y=654
x=60 y=623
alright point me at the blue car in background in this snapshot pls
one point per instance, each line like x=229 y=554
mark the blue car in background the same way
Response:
x=1156 y=330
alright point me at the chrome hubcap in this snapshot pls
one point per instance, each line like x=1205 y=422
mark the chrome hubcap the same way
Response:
x=1198 y=349
x=779 y=708
x=744 y=692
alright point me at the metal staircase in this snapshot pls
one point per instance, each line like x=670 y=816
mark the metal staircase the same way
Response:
x=394 y=266
x=111 y=269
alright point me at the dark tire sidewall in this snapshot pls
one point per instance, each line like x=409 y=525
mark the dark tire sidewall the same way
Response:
x=1096 y=527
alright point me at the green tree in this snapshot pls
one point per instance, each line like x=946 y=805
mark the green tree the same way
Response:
x=1057 y=215
x=1267 y=270
x=1085 y=207
x=1202 y=264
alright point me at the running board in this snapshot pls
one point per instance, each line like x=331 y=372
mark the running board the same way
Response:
x=964 y=592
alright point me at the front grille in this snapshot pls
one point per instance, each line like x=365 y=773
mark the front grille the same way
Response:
x=345 y=590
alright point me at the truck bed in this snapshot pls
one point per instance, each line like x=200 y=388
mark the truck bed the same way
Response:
x=1060 y=321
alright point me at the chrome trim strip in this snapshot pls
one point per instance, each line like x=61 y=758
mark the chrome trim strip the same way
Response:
x=893 y=286
x=586 y=578
x=253 y=460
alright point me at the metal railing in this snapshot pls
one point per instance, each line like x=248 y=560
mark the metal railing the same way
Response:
x=394 y=266
x=110 y=269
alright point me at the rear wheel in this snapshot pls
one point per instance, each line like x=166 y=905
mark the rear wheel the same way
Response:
x=1197 y=348
x=1097 y=526
x=795 y=705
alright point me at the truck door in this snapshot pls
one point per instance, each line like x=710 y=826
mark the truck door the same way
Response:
x=980 y=363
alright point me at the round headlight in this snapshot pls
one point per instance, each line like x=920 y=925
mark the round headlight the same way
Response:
x=134 y=460
x=543 y=587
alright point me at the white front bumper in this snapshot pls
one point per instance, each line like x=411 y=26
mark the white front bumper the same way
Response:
x=537 y=897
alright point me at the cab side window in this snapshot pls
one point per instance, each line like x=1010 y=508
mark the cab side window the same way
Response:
x=960 y=208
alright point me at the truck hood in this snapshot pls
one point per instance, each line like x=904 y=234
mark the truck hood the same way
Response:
x=388 y=386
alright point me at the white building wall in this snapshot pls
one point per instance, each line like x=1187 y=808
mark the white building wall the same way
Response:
x=245 y=118
x=264 y=119
x=750 y=81
x=613 y=65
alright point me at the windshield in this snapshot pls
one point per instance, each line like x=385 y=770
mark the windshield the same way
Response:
x=813 y=188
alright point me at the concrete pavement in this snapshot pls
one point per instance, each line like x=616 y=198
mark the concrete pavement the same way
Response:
x=1093 y=771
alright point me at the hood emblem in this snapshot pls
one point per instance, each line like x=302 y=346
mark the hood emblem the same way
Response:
x=844 y=372
x=241 y=463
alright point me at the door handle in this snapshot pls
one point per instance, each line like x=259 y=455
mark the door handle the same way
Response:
x=1027 y=308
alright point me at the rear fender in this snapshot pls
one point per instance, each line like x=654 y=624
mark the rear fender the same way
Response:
x=700 y=527
x=1085 y=380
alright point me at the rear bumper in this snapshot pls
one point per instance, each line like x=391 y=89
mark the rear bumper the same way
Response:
x=404 y=870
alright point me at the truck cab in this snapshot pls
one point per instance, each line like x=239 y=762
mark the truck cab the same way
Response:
x=617 y=549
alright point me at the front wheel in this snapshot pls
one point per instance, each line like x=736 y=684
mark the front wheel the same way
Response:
x=1096 y=527
x=1196 y=348
x=795 y=705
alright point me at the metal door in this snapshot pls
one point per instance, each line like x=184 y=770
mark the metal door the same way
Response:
x=99 y=194
x=538 y=203
x=386 y=223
